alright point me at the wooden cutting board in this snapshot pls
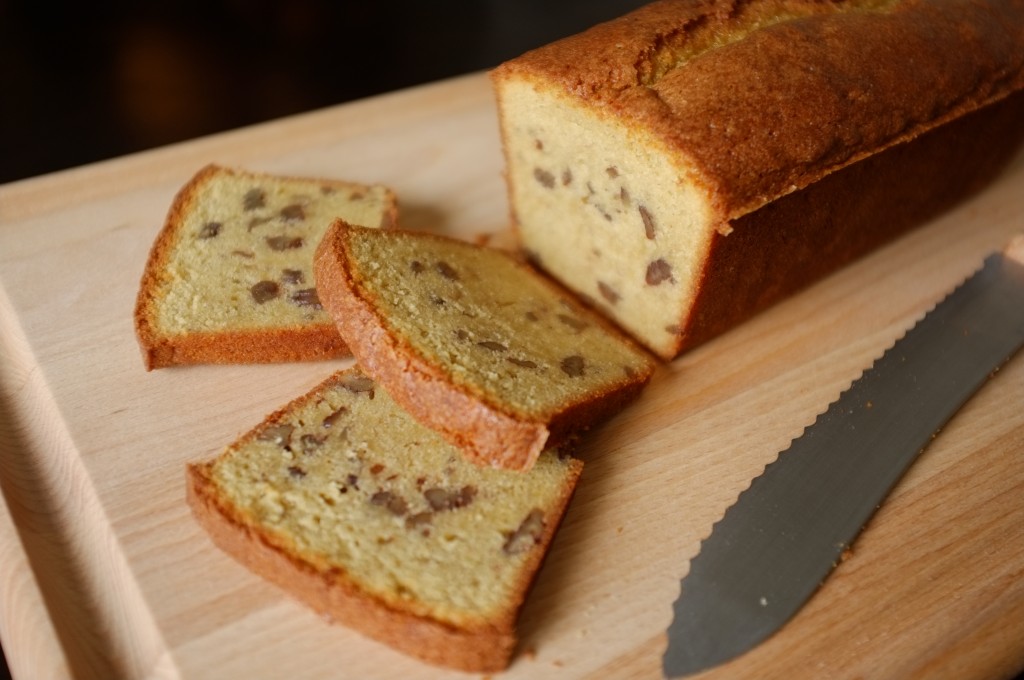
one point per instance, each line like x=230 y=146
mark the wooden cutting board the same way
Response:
x=103 y=573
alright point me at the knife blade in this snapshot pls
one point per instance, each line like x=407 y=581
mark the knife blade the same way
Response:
x=784 y=535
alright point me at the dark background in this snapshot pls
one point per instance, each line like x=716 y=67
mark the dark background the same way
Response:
x=86 y=81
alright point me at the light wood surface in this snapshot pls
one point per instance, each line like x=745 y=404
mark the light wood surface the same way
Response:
x=103 y=573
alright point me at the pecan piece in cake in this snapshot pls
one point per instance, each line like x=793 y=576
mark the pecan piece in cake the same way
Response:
x=447 y=271
x=546 y=179
x=394 y=503
x=282 y=242
x=210 y=229
x=254 y=198
x=658 y=272
x=607 y=292
x=264 y=291
x=358 y=384
x=307 y=297
x=527 y=535
x=278 y=434
x=293 y=213
x=573 y=366
x=449 y=499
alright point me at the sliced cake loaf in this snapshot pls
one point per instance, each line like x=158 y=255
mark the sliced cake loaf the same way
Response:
x=346 y=502
x=690 y=163
x=229 y=278
x=475 y=343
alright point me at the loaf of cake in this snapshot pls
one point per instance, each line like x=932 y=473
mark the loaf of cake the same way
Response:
x=356 y=509
x=229 y=278
x=474 y=343
x=688 y=164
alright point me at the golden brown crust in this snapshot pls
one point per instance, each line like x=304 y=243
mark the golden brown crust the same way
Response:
x=783 y=124
x=149 y=339
x=489 y=433
x=308 y=342
x=792 y=242
x=482 y=647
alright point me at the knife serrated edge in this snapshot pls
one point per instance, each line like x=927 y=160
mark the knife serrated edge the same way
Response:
x=1013 y=258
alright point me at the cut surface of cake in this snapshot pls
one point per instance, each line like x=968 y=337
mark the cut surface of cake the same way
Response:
x=690 y=163
x=475 y=343
x=348 y=503
x=229 y=278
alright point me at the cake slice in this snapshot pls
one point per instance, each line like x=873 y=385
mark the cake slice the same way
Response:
x=353 y=507
x=475 y=343
x=229 y=278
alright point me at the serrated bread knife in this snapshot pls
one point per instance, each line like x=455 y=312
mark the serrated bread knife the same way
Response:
x=781 y=539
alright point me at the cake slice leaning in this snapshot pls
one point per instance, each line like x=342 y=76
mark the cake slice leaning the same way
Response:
x=346 y=502
x=229 y=278
x=475 y=343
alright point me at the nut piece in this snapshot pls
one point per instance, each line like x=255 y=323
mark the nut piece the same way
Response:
x=658 y=272
x=648 y=219
x=420 y=521
x=282 y=242
x=264 y=291
x=292 y=276
x=572 y=322
x=253 y=199
x=546 y=179
x=527 y=535
x=394 y=503
x=447 y=271
x=306 y=297
x=573 y=366
x=293 y=213
x=277 y=434
x=258 y=222
x=310 y=442
x=210 y=229
x=331 y=420
x=357 y=384
x=449 y=499
x=607 y=292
